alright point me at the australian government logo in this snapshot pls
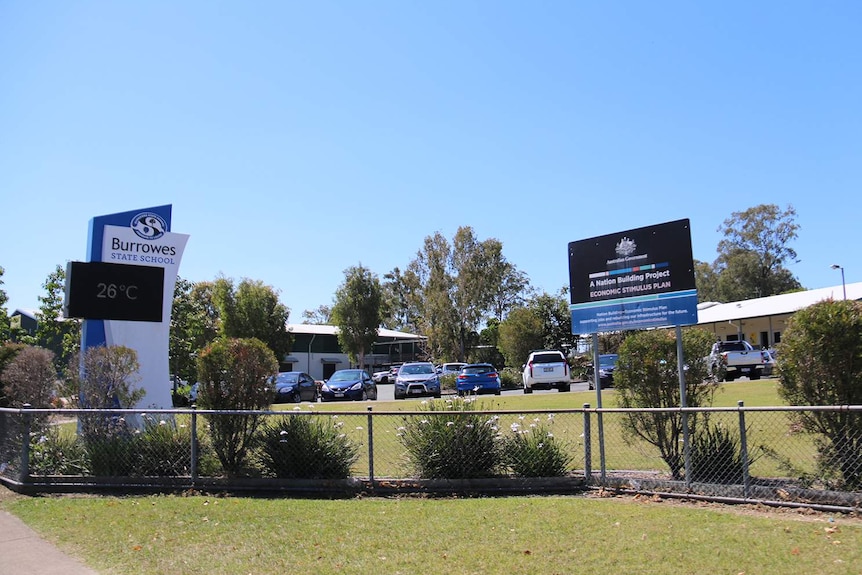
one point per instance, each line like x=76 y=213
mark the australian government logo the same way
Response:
x=149 y=226
x=626 y=250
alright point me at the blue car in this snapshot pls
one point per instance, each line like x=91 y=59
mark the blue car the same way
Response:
x=349 y=384
x=476 y=378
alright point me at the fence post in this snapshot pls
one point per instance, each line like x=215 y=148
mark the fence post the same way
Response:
x=194 y=465
x=588 y=450
x=743 y=448
x=370 y=446
x=25 y=445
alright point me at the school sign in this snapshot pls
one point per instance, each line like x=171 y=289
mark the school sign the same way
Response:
x=635 y=279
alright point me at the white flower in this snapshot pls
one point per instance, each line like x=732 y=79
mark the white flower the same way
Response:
x=297 y=408
x=358 y=428
x=550 y=434
x=450 y=423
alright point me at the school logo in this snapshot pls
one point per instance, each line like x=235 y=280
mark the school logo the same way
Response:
x=149 y=226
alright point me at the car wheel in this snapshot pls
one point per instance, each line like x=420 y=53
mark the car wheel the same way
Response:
x=496 y=392
x=364 y=396
x=528 y=390
x=297 y=397
x=754 y=376
x=438 y=395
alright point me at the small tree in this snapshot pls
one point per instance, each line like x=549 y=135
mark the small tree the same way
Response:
x=647 y=375
x=821 y=364
x=234 y=374
x=30 y=378
x=107 y=378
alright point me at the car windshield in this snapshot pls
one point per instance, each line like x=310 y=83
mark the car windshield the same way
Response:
x=477 y=369
x=732 y=346
x=608 y=360
x=287 y=378
x=346 y=375
x=548 y=358
x=417 y=369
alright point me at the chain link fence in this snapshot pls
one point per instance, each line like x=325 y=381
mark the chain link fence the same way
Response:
x=789 y=455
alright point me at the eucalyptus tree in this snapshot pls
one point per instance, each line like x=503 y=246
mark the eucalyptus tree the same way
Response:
x=358 y=312
x=754 y=252
x=320 y=316
x=438 y=317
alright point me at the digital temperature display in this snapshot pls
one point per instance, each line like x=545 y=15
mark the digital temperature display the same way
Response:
x=99 y=290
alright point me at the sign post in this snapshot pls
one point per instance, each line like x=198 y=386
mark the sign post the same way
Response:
x=636 y=279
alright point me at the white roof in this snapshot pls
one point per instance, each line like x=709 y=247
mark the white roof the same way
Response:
x=712 y=312
x=320 y=329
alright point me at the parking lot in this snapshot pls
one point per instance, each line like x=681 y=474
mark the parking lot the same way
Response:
x=385 y=391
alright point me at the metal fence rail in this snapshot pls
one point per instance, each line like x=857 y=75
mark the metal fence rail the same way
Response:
x=749 y=453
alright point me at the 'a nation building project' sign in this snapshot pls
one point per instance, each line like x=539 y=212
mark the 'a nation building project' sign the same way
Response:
x=136 y=238
x=636 y=279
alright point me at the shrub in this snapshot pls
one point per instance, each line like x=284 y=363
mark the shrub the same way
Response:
x=716 y=455
x=451 y=441
x=307 y=446
x=112 y=450
x=510 y=378
x=234 y=375
x=57 y=453
x=821 y=364
x=647 y=376
x=535 y=452
x=449 y=381
x=164 y=447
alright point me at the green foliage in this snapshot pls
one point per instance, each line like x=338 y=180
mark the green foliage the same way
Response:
x=307 y=446
x=821 y=364
x=57 y=453
x=163 y=447
x=358 y=312
x=234 y=375
x=647 y=376
x=521 y=332
x=8 y=352
x=535 y=452
x=752 y=256
x=53 y=332
x=252 y=310
x=510 y=378
x=5 y=329
x=448 y=381
x=451 y=441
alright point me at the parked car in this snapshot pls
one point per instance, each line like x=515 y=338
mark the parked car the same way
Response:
x=349 y=384
x=453 y=368
x=607 y=365
x=478 y=378
x=417 y=379
x=295 y=386
x=546 y=369
x=737 y=358
x=380 y=376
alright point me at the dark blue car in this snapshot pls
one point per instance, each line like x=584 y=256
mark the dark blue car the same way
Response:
x=476 y=378
x=295 y=386
x=349 y=384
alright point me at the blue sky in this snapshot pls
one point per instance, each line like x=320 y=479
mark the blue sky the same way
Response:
x=297 y=139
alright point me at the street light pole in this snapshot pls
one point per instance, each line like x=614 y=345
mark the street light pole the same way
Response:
x=843 y=285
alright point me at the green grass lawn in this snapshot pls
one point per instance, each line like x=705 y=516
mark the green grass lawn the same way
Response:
x=530 y=535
